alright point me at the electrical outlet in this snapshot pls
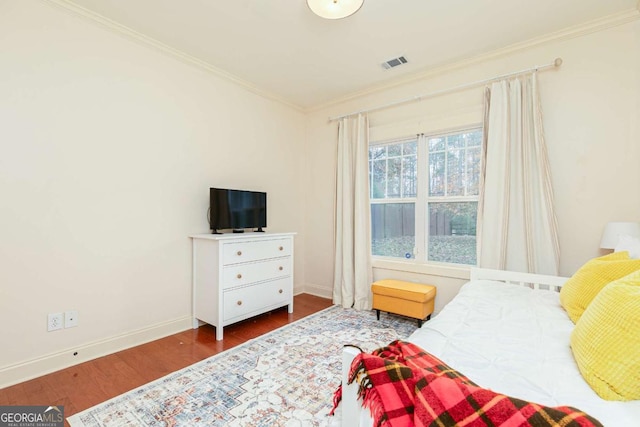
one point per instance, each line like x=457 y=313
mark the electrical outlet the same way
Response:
x=70 y=319
x=55 y=321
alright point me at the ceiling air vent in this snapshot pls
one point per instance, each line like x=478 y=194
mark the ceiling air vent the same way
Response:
x=394 y=62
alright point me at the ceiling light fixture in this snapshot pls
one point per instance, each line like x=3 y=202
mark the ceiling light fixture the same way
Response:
x=334 y=9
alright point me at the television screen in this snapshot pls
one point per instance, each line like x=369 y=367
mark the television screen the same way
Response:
x=237 y=209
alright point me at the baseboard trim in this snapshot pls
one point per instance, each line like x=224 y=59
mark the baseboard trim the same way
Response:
x=318 y=291
x=20 y=372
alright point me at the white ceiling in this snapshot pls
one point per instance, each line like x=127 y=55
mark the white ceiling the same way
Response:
x=284 y=50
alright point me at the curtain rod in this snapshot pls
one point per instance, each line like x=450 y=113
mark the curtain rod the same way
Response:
x=556 y=63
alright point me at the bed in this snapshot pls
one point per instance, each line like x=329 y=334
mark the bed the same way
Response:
x=507 y=332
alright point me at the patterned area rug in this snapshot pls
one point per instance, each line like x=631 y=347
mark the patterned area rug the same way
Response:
x=284 y=378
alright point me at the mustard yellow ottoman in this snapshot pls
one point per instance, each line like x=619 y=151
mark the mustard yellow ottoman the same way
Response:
x=404 y=298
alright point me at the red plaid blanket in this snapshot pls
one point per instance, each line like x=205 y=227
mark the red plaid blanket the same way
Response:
x=403 y=386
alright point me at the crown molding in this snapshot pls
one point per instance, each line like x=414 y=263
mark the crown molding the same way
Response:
x=565 y=34
x=105 y=22
x=594 y=26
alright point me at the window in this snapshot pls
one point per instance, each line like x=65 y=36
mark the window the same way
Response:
x=424 y=197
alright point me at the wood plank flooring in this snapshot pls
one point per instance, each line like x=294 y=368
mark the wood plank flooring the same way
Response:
x=87 y=384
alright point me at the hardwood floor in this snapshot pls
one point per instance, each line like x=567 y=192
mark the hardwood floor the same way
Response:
x=82 y=386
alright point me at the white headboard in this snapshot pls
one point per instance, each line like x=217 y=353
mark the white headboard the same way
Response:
x=535 y=281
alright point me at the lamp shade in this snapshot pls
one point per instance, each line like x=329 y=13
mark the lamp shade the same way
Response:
x=334 y=9
x=614 y=230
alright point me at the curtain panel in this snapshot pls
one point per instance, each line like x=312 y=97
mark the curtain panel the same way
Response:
x=353 y=273
x=517 y=226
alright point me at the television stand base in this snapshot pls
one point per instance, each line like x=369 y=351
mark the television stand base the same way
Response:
x=238 y=230
x=259 y=230
x=214 y=231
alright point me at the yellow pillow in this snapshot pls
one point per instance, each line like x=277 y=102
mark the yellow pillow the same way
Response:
x=584 y=285
x=606 y=340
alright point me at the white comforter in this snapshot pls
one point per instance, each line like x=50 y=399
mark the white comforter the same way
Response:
x=515 y=341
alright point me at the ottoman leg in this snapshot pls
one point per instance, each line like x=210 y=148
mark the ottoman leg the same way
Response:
x=419 y=323
x=378 y=314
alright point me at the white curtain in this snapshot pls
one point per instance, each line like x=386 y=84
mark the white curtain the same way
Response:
x=353 y=273
x=517 y=227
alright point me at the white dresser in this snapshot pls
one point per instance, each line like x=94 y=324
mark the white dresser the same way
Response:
x=237 y=276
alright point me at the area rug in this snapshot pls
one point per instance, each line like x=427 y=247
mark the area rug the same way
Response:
x=284 y=378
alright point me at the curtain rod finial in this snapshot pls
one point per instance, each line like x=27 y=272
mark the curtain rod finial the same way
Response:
x=557 y=62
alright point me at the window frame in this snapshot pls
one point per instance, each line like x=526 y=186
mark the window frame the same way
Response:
x=423 y=198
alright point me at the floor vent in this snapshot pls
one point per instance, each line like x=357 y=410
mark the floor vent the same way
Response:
x=394 y=62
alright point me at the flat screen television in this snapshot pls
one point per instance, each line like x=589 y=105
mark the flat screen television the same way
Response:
x=237 y=210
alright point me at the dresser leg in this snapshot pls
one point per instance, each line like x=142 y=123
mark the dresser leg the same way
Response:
x=218 y=333
x=290 y=307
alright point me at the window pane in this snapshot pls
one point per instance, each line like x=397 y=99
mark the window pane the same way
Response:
x=379 y=179
x=395 y=150
x=455 y=173
x=410 y=148
x=473 y=138
x=377 y=152
x=455 y=141
x=436 y=144
x=393 y=170
x=473 y=171
x=393 y=177
x=409 y=176
x=452 y=232
x=393 y=229
x=436 y=174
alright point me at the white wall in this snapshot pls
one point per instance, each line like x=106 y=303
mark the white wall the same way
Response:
x=591 y=109
x=107 y=151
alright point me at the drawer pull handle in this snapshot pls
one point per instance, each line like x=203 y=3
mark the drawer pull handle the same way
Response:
x=239 y=303
x=281 y=268
x=280 y=291
x=239 y=276
x=239 y=253
x=280 y=248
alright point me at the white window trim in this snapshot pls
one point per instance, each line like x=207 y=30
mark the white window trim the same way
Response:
x=431 y=268
x=421 y=248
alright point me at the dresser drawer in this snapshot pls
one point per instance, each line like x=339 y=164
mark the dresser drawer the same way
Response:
x=245 y=274
x=234 y=253
x=246 y=300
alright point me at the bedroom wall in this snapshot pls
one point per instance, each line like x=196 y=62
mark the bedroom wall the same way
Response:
x=107 y=150
x=591 y=109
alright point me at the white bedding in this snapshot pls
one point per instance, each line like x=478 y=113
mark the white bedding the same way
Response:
x=515 y=341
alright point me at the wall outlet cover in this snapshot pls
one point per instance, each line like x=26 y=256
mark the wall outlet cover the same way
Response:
x=70 y=319
x=55 y=321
